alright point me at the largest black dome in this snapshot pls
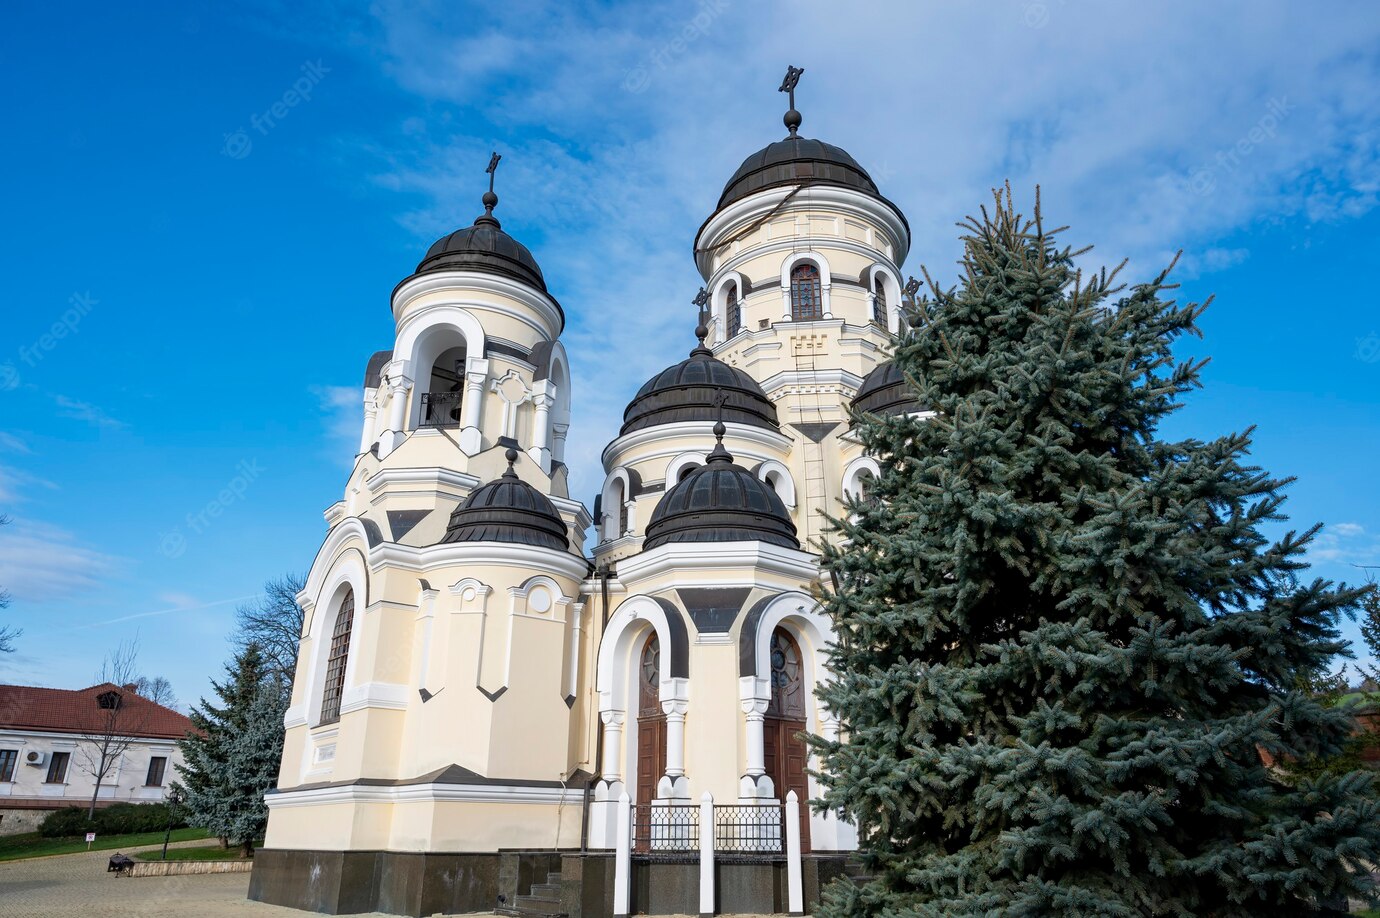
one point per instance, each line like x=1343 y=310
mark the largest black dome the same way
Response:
x=483 y=247
x=688 y=392
x=721 y=502
x=508 y=509
x=794 y=161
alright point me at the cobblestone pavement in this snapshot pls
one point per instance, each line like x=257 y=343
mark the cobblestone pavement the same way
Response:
x=78 y=886
x=72 y=885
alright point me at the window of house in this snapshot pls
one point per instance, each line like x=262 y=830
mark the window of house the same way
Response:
x=7 y=759
x=57 y=768
x=807 y=295
x=108 y=701
x=339 y=656
x=157 y=765
x=735 y=310
x=879 y=301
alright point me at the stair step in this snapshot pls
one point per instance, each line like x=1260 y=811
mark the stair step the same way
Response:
x=546 y=890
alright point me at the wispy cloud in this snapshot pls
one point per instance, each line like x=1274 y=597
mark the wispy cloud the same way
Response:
x=607 y=181
x=1346 y=543
x=16 y=485
x=11 y=443
x=41 y=563
x=85 y=411
x=343 y=411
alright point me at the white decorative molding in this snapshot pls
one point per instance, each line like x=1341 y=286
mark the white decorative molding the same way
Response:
x=391 y=696
x=541 y=314
x=424 y=793
x=505 y=554
x=422 y=480
x=750 y=557
x=778 y=444
x=731 y=221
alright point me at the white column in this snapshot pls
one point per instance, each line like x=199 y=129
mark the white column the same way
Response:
x=613 y=745
x=398 y=387
x=622 y=858
x=786 y=302
x=472 y=408
x=542 y=401
x=795 y=891
x=706 y=855
x=371 y=413
x=558 y=432
x=674 y=784
x=825 y=302
x=755 y=782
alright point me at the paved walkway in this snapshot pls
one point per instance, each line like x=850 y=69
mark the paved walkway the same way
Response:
x=78 y=886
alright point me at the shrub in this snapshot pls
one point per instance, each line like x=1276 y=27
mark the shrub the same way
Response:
x=116 y=819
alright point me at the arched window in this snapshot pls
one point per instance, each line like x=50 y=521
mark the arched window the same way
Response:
x=734 y=310
x=685 y=472
x=339 y=656
x=807 y=296
x=649 y=678
x=787 y=677
x=879 y=301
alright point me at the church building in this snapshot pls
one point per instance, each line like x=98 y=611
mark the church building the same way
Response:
x=505 y=701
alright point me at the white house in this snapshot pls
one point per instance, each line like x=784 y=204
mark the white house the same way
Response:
x=51 y=742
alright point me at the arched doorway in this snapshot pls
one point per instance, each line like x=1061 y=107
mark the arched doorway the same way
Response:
x=785 y=753
x=651 y=722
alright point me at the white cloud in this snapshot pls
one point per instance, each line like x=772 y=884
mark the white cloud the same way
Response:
x=40 y=563
x=13 y=443
x=1346 y=543
x=85 y=411
x=1148 y=127
x=343 y=408
x=15 y=484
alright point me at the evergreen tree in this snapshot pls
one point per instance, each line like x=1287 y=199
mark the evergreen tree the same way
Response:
x=1064 y=640
x=232 y=760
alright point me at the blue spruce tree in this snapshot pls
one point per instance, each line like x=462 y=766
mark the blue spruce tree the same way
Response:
x=232 y=760
x=1064 y=641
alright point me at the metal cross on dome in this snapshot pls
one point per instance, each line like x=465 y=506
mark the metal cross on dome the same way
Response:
x=493 y=168
x=701 y=300
x=789 y=83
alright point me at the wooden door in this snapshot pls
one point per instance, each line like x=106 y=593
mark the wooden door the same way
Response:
x=785 y=752
x=651 y=734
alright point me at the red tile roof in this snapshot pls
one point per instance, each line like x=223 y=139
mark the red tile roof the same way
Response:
x=29 y=707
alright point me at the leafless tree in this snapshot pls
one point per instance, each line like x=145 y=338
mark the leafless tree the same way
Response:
x=116 y=724
x=8 y=634
x=274 y=622
x=156 y=689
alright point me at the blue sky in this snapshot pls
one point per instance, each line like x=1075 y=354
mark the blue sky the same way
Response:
x=218 y=273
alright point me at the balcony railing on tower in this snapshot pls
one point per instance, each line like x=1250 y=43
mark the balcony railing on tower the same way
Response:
x=441 y=409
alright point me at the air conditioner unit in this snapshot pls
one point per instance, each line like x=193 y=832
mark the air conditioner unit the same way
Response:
x=34 y=757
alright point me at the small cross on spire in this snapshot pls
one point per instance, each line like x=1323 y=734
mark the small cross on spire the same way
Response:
x=792 y=119
x=490 y=199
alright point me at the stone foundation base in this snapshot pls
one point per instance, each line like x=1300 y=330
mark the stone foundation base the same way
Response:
x=418 y=884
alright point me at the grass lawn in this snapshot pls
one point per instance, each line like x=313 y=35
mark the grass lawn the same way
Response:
x=201 y=853
x=31 y=844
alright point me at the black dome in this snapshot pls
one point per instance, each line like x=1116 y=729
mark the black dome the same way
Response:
x=687 y=391
x=483 y=247
x=508 y=509
x=793 y=161
x=721 y=502
x=885 y=391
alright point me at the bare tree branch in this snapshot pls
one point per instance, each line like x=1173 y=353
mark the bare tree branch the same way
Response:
x=274 y=622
